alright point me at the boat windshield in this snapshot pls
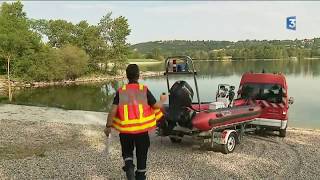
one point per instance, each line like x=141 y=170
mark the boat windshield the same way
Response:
x=269 y=92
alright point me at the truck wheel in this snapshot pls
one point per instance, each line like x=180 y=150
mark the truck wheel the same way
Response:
x=230 y=145
x=175 y=140
x=282 y=132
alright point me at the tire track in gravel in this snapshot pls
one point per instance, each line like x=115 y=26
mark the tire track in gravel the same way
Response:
x=262 y=151
x=296 y=167
x=258 y=153
x=266 y=143
x=291 y=166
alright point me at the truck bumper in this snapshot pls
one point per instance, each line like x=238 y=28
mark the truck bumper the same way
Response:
x=274 y=123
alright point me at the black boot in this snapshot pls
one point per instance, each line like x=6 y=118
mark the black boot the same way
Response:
x=140 y=175
x=129 y=169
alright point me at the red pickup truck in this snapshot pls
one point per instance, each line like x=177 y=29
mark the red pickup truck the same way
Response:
x=271 y=92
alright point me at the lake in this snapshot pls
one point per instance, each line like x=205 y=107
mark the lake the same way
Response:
x=302 y=77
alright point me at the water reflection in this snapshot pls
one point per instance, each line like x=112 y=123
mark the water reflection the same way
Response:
x=228 y=68
x=93 y=97
x=288 y=67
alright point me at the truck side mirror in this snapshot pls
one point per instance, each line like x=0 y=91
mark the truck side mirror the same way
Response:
x=291 y=100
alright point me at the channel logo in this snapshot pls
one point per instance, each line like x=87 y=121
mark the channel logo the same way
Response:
x=291 y=23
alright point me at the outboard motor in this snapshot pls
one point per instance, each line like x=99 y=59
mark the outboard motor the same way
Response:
x=179 y=112
x=180 y=98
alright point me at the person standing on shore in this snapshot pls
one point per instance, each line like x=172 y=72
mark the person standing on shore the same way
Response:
x=134 y=113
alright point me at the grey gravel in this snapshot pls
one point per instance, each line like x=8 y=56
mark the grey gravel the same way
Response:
x=50 y=149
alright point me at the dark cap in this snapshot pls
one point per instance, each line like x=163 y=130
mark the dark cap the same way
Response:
x=132 y=72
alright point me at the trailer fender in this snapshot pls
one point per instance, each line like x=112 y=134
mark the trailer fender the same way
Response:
x=222 y=137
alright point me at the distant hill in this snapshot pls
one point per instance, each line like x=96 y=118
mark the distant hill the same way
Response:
x=180 y=46
x=249 y=49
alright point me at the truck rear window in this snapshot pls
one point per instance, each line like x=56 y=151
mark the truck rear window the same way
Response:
x=269 y=92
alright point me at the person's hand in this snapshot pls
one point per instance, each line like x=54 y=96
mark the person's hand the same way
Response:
x=163 y=97
x=107 y=131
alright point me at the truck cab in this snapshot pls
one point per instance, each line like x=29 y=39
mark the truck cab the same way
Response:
x=270 y=91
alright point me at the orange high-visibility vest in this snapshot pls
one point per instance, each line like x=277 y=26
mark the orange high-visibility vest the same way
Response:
x=134 y=114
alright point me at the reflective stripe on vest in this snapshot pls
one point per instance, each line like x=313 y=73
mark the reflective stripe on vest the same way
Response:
x=134 y=114
x=135 y=129
x=158 y=114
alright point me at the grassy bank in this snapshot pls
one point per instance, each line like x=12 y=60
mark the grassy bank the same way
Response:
x=143 y=60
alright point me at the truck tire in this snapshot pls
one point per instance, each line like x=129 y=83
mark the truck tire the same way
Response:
x=231 y=144
x=282 y=132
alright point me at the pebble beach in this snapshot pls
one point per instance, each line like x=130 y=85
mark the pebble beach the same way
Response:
x=51 y=143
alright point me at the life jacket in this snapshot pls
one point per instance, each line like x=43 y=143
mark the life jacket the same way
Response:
x=134 y=114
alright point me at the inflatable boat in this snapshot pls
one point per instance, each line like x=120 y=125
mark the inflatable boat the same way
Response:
x=225 y=117
x=205 y=116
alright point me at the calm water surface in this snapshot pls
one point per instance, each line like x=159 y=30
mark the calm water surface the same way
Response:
x=302 y=77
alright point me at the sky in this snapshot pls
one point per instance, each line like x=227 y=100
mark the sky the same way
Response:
x=192 y=20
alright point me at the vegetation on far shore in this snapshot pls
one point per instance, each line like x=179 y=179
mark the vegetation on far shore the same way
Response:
x=220 y=50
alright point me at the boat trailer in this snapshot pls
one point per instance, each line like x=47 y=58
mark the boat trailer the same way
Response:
x=207 y=122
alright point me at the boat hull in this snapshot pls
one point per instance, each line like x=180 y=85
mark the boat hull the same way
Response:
x=209 y=119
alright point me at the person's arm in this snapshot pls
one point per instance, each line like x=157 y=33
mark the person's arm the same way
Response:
x=153 y=102
x=160 y=103
x=111 y=115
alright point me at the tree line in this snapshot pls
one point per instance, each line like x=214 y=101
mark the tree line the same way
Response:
x=53 y=50
x=249 y=49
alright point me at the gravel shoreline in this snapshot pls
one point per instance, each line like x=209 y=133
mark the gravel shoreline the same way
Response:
x=50 y=143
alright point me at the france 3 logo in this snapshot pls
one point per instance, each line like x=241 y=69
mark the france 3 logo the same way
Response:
x=291 y=23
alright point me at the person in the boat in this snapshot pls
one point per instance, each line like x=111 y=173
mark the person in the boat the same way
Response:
x=222 y=92
x=179 y=68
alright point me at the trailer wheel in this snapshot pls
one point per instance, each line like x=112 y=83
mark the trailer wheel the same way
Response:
x=282 y=132
x=175 y=140
x=230 y=145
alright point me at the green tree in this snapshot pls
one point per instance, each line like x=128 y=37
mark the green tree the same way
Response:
x=156 y=54
x=16 y=40
x=59 y=32
x=221 y=54
x=196 y=55
x=88 y=38
x=68 y=62
x=315 y=50
x=204 y=55
x=118 y=35
x=149 y=56
x=83 y=35
x=135 y=54
x=115 y=32
x=213 y=55
x=75 y=60
x=46 y=65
